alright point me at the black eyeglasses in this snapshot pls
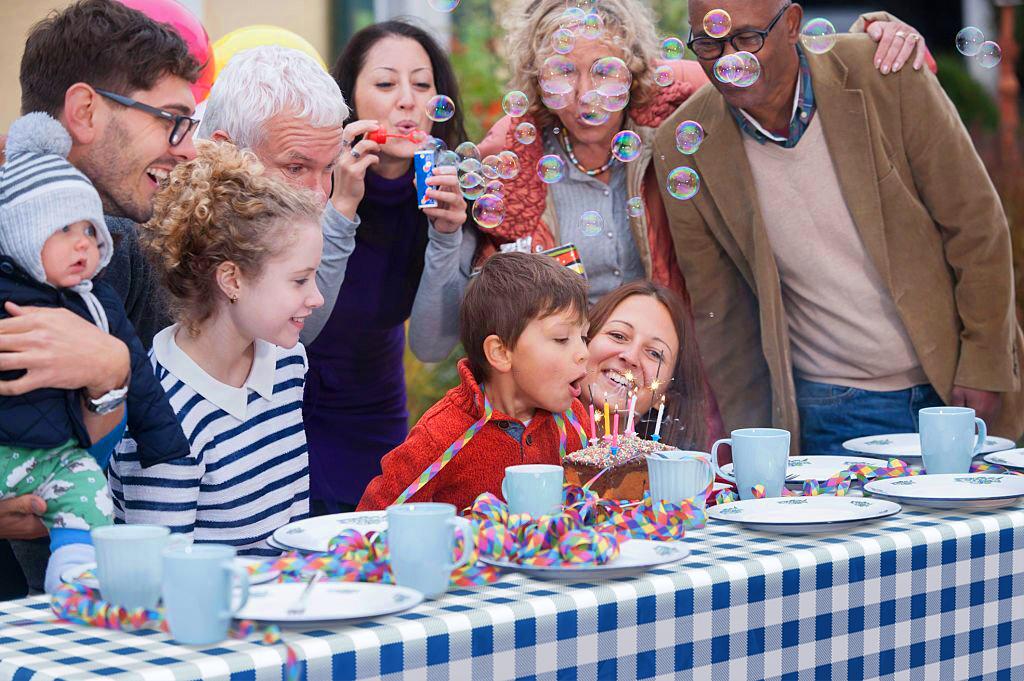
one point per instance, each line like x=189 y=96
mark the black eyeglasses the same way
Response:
x=747 y=41
x=181 y=124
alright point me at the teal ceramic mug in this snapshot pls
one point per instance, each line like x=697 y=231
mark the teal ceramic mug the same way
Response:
x=759 y=457
x=199 y=582
x=948 y=441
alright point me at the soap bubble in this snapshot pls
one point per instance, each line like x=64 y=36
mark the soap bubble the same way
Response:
x=474 y=192
x=443 y=5
x=635 y=206
x=526 y=133
x=555 y=102
x=664 y=75
x=689 y=135
x=563 y=40
x=572 y=18
x=434 y=144
x=990 y=54
x=683 y=183
x=969 y=40
x=468 y=150
x=750 y=70
x=470 y=179
x=515 y=103
x=508 y=164
x=495 y=187
x=440 y=108
x=626 y=146
x=585 y=5
x=591 y=223
x=612 y=78
x=557 y=78
x=728 y=68
x=672 y=49
x=818 y=35
x=469 y=165
x=446 y=158
x=490 y=167
x=593 y=26
x=591 y=108
x=489 y=211
x=550 y=168
x=717 y=23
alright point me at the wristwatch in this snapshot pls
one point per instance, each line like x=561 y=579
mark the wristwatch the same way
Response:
x=108 y=402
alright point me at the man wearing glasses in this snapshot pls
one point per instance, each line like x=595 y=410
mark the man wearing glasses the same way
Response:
x=846 y=255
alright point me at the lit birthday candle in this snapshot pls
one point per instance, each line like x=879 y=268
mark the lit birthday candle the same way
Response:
x=607 y=419
x=629 y=420
x=615 y=430
x=657 y=425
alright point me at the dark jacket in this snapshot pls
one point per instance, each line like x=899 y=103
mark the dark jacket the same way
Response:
x=49 y=417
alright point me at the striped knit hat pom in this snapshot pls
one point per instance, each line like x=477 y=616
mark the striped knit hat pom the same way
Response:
x=38 y=133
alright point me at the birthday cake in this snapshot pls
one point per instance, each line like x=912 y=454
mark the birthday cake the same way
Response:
x=626 y=477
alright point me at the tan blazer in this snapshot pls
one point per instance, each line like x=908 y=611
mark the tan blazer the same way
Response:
x=925 y=209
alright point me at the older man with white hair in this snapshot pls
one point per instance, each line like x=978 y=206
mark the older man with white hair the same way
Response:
x=280 y=104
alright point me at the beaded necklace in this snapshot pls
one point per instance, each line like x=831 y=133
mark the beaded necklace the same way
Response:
x=563 y=138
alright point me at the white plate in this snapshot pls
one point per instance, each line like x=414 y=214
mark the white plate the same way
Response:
x=908 y=445
x=823 y=513
x=75 y=574
x=635 y=555
x=329 y=602
x=1010 y=458
x=314 y=534
x=819 y=467
x=951 y=490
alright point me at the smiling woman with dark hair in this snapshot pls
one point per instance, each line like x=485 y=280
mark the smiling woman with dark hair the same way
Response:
x=355 y=406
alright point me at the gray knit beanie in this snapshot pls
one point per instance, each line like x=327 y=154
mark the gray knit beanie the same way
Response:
x=41 y=193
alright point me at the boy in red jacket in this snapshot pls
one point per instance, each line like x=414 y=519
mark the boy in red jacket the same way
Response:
x=522 y=323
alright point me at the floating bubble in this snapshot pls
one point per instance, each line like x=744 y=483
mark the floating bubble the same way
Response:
x=728 y=68
x=635 y=206
x=612 y=78
x=672 y=49
x=572 y=18
x=495 y=187
x=440 y=108
x=417 y=136
x=593 y=26
x=526 y=133
x=818 y=35
x=591 y=223
x=750 y=70
x=489 y=211
x=469 y=165
x=563 y=40
x=508 y=164
x=555 y=102
x=489 y=167
x=717 y=23
x=434 y=144
x=591 y=108
x=683 y=183
x=585 y=5
x=470 y=179
x=664 y=75
x=990 y=54
x=557 y=78
x=689 y=135
x=468 y=150
x=474 y=192
x=446 y=158
x=550 y=168
x=443 y=5
x=626 y=146
x=515 y=103
x=969 y=40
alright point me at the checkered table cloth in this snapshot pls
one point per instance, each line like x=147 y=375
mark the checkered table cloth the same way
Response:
x=923 y=595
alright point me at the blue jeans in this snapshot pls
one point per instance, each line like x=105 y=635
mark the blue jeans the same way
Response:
x=832 y=414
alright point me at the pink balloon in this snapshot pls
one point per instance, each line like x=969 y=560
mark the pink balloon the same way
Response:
x=188 y=26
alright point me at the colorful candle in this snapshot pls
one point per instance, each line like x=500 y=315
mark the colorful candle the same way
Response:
x=593 y=424
x=629 y=421
x=615 y=430
x=657 y=424
x=607 y=419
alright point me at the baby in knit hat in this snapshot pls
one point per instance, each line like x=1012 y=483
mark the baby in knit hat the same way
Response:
x=53 y=242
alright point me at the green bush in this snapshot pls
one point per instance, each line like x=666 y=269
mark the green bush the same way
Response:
x=977 y=109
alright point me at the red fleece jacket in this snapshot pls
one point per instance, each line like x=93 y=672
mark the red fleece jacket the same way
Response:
x=480 y=466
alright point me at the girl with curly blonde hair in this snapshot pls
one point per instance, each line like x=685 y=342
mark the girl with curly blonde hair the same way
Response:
x=238 y=252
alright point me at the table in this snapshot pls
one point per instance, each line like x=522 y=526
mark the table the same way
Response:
x=922 y=595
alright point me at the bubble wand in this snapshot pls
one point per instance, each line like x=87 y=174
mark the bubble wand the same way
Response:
x=381 y=135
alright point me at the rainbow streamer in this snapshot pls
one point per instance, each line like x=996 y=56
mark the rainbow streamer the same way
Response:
x=79 y=604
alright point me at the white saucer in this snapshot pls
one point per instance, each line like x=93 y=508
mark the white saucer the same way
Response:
x=823 y=513
x=330 y=601
x=800 y=469
x=85 y=573
x=1009 y=458
x=635 y=556
x=908 y=445
x=951 y=491
x=314 y=534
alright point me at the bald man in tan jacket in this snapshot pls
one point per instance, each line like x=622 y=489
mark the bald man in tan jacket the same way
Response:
x=846 y=255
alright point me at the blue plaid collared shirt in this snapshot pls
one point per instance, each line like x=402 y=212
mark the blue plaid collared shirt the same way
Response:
x=803 y=112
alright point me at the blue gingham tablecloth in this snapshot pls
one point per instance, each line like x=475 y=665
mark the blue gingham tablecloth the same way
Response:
x=922 y=595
